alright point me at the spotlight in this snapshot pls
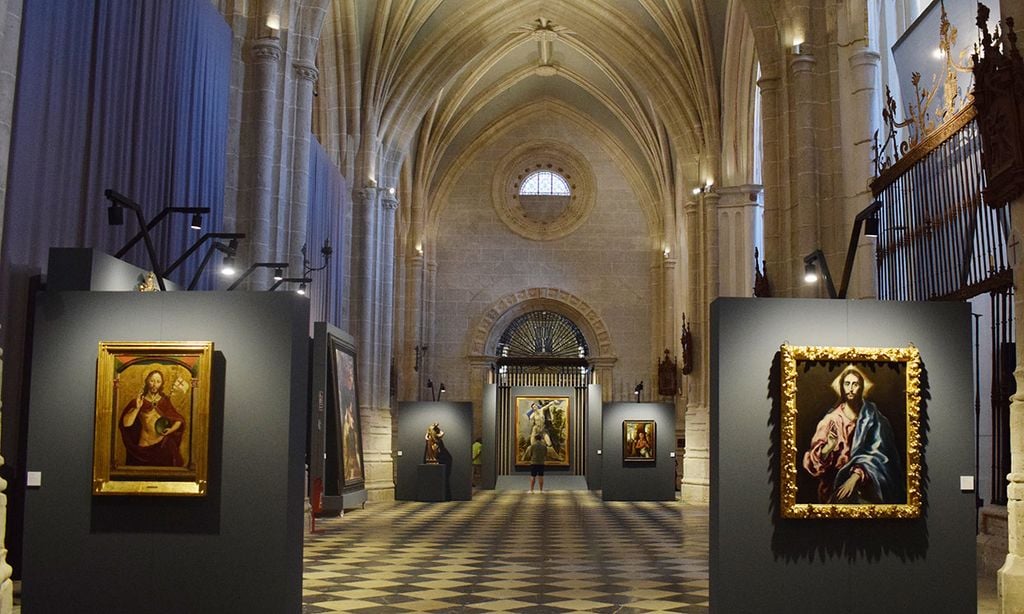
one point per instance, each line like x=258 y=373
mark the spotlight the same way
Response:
x=441 y=391
x=278 y=274
x=227 y=267
x=302 y=289
x=115 y=215
x=810 y=272
x=197 y=221
x=638 y=389
x=871 y=227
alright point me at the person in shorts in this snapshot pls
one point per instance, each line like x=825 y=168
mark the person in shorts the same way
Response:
x=538 y=455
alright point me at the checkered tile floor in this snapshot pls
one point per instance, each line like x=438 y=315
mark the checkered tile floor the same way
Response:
x=562 y=551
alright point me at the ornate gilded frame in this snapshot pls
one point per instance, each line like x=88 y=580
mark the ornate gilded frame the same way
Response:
x=893 y=375
x=185 y=369
x=523 y=429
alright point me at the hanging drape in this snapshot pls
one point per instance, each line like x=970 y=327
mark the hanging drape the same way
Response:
x=116 y=94
x=330 y=217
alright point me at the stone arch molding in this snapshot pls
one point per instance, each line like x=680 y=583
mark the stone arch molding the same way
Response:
x=500 y=314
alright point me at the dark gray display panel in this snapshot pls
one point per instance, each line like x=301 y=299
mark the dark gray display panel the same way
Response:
x=172 y=554
x=638 y=481
x=456 y=420
x=594 y=451
x=489 y=470
x=919 y=565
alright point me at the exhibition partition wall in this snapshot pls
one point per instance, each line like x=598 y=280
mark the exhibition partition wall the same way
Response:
x=336 y=469
x=638 y=452
x=170 y=553
x=456 y=420
x=820 y=495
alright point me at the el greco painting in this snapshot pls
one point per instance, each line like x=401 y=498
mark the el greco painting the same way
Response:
x=850 y=429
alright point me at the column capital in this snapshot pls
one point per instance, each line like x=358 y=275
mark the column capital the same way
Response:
x=389 y=202
x=306 y=71
x=863 y=57
x=769 y=84
x=802 y=63
x=265 y=50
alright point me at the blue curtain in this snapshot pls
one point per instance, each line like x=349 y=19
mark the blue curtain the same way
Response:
x=330 y=217
x=116 y=94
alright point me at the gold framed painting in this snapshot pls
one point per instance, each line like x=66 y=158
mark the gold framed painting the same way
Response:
x=850 y=427
x=152 y=418
x=547 y=418
x=639 y=441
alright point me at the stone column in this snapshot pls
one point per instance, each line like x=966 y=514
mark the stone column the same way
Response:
x=739 y=221
x=255 y=213
x=804 y=236
x=857 y=131
x=776 y=194
x=298 y=208
x=603 y=367
x=695 y=483
x=1010 y=577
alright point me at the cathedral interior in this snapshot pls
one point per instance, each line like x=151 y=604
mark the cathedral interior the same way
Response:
x=482 y=195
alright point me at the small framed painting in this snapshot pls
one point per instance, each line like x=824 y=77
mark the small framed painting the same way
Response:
x=639 y=443
x=850 y=425
x=152 y=418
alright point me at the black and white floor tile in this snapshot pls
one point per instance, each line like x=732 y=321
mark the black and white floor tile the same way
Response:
x=557 y=551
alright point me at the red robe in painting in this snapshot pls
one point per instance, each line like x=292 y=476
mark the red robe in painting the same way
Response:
x=166 y=453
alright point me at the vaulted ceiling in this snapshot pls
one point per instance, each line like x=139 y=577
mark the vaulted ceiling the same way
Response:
x=436 y=74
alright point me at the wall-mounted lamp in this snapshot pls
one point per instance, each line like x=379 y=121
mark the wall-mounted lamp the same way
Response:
x=703 y=189
x=667 y=252
x=815 y=263
x=391 y=191
x=637 y=390
x=274 y=21
x=302 y=281
x=441 y=391
x=277 y=266
x=799 y=46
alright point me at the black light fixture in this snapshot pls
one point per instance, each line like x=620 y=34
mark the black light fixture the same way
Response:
x=441 y=391
x=810 y=272
x=229 y=257
x=302 y=281
x=815 y=263
x=277 y=266
x=871 y=226
x=234 y=236
x=430 y=386
x=196 y=224
x=638 y=389
x=115 y=216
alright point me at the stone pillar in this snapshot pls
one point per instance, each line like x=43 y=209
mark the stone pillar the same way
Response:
x=479 y=373
x=256 y=181
x=804 y=236
x=776 y=194
x=857 y=129
x=739 y=221
x=290 y=248
x=603 y=367
x=695 y=483
x=1010 y=578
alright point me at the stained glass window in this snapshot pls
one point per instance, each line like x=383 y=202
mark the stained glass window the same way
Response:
x=544 y=183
